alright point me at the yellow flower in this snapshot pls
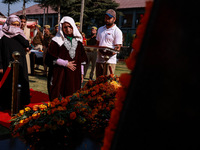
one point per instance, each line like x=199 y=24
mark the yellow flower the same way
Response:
x=49 y=104
x=42 y=107
x=21 y=112
x=21 y=121
x=27 y=109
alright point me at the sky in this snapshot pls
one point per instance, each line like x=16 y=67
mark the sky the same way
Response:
x=14 y=7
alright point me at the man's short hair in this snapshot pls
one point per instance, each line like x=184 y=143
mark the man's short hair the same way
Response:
x=23 y=17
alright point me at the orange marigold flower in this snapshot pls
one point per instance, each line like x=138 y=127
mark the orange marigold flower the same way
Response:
x=60 y=122
x=56 y=101
x=72 y=115
x=60 y=108
x=93 y=93
x=49 y=112
x=94 y=111
x=53 y=104
x=53 y=110
x=35 y=107
x=26 y=120
x=36 y=115
x=107 y=108
x=42 y=107
x=112 y=75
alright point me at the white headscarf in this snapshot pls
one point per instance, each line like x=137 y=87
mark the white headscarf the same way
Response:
x=59 y=38
x=11 y=31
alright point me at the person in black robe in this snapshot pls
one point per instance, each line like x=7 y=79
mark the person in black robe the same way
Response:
x=12 y=39
x=64 y=58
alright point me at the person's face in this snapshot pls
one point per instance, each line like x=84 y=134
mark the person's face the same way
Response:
x=15 y=24
x=36 y=28
x=109 y=21
x=46 y=30
x=67 y=29
x=93 y=31
x=78 y=27
x=56 y=29
x=23 y=23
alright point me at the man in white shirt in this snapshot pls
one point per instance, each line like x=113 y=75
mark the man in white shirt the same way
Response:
x=110 y=36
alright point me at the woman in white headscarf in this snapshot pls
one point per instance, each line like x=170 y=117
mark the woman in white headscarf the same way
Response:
x=64 y=58
x=12 y=39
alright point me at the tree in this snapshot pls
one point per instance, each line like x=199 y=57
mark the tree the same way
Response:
x=9 y=2
x=55 y=4
x=94 y=11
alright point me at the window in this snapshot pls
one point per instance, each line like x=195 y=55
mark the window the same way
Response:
x=127 y=20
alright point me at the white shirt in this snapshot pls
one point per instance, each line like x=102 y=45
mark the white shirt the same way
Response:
x=109 y=38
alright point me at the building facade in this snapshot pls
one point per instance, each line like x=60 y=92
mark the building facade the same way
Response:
x=43 y=15
x=131 y=12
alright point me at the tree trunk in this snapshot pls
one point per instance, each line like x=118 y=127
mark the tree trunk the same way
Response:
x=8 y=9
x=58 y=13
x=81 y=15
x=24 y=7
x=46 y=22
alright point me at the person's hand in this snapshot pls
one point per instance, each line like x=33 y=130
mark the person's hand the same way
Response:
x=27 y=49
x=1 y=70
x=82 y=78
x=71 y=65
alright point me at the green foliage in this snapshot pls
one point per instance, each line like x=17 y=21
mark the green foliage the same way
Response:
x=10 y=1
x=94 y=11
x=53 y=3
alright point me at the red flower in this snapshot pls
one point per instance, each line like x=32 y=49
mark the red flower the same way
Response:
x=72 y=115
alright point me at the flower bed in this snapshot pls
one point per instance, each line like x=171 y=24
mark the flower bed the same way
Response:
x=68 y=119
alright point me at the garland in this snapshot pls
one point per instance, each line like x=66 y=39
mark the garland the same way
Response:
x=125 y=79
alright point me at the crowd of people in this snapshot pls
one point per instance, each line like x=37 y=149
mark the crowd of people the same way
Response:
x=63 y=54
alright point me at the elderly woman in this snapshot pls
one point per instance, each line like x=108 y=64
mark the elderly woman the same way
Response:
x=12 y=39
x=64 y=58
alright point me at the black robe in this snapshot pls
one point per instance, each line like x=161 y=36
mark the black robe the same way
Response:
x=61 y=80
x=7 y=47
